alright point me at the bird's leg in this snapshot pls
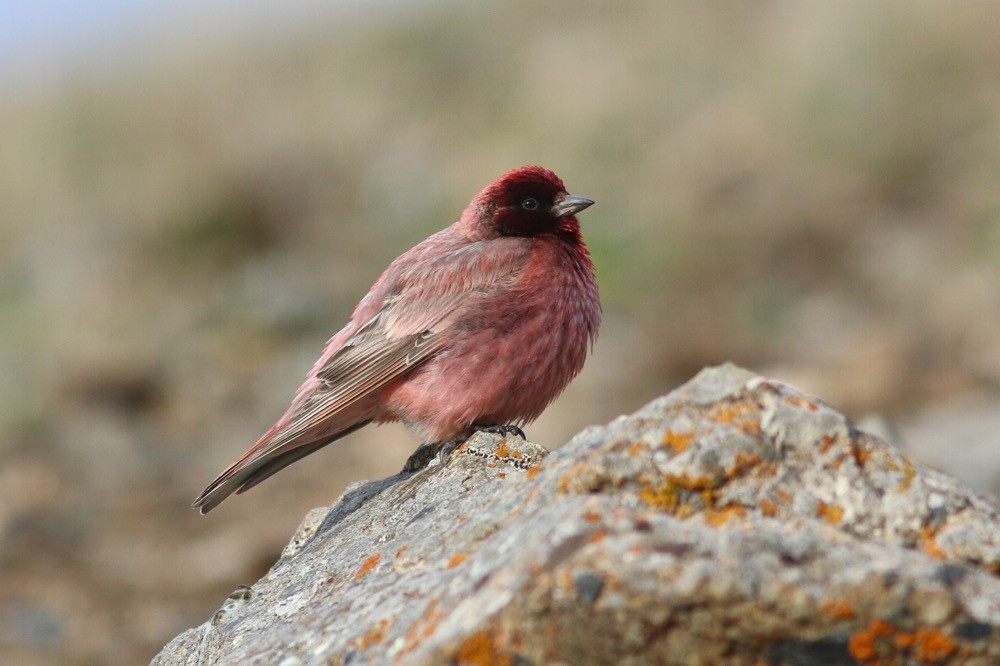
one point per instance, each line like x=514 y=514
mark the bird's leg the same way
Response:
x=502 y=430
x=448 y=446
x=426 y=452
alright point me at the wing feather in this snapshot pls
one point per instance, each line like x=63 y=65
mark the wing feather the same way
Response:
x=361 y=367
x=402 y=322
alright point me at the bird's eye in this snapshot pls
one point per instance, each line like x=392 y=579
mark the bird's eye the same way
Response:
x=529 y=204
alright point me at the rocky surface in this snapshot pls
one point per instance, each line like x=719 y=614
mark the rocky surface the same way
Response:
x=734 y=520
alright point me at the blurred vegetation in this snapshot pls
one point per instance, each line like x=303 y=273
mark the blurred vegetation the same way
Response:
x=809 y=190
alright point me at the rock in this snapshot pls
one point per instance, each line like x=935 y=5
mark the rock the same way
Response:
x=733 y=521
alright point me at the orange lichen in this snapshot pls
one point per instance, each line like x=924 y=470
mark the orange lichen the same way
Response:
x=635 y=449
x=456 y=559
x=769 y=508
x=826 y=442
x=741 y=415
x=861 y=454
x=863 y=643
x=664 y=497
x=677 y=441
x=926 y=645
x=374 y=635
x=742 y=464
x=523 y=503
x=800 y=401
x=930 y=544
x=722 y=516
x=368 y=565
x=764 y=468
x=516 y=455
x=667 y=495
x=908 y=473
x=570 y=476
x=400 y=550
x=598 y=535
x=501 y=475
x=591 y=516
x=840 y=609
x=533 y=471
x=424 y=627
x=933 y=646
x=502 y=450
x=833 y=514
x=693 y=483
x=684 y=510
x=481 y=649
x=783 y=496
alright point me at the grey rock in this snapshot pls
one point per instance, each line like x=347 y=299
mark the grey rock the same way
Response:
x=734 y=520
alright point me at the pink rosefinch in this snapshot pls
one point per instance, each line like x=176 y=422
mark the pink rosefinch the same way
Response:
x=483 y=324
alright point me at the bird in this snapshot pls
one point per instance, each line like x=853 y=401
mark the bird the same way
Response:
x=478 y=327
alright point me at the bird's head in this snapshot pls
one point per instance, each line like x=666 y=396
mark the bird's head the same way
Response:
x=529 y=201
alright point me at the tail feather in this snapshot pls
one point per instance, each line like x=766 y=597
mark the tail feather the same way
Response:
x=243 y=475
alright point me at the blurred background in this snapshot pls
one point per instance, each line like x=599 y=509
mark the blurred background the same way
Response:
x=193 y=198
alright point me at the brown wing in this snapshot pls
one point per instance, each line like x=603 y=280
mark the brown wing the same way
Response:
x=363 y=365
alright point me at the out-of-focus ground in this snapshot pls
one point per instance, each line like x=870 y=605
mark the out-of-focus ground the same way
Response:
x=809 y=190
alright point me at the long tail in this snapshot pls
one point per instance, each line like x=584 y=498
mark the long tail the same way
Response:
x=243 y=474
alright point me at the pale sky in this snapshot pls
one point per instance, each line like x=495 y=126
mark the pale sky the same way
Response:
x=40 y=37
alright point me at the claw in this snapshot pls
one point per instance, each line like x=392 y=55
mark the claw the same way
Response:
x=502 y=430
x=427 y=452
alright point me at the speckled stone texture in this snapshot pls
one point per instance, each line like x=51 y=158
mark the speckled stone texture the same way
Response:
x=734 y=521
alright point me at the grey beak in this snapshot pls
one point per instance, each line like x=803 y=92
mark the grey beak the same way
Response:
x=567 y=205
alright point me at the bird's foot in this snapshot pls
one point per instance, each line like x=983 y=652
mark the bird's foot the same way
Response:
x=425 y=453
x=502 y=430
x=447 y=447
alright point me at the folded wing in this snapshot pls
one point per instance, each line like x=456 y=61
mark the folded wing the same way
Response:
x=400 y=324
